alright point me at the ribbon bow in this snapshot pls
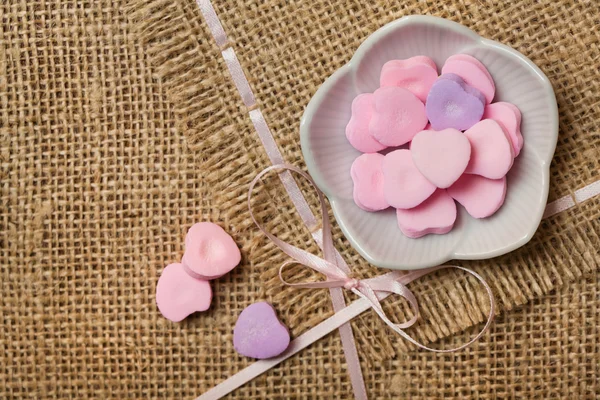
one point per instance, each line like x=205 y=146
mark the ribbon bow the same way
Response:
x=373 y=289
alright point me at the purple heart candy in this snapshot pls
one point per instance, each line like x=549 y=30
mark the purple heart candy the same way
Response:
x=452 y=103
x=258 y=333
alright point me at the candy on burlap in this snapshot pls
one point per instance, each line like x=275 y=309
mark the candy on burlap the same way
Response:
x=179 y=295
x=209 y=251
x=258 y=333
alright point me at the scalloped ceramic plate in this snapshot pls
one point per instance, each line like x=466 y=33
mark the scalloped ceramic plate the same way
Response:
x=329 y=156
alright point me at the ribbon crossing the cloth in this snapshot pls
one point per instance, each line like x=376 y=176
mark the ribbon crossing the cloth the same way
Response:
x=373 y=290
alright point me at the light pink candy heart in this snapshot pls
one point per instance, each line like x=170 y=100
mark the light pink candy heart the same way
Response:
x=179 y=295
x=436 y=215
x=473 y=72
x=509 y=117
x=209 y=251
x=357 y=130
x=416 y=74
x=480 y=196
x=397 y=116
x=441 y=156
x=367 y=176
x=403 y=185
x=491 y=150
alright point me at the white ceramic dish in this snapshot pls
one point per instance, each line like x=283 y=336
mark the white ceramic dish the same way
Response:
x=329 y=156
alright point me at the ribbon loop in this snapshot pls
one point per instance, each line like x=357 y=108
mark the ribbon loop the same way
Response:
x=373 y=289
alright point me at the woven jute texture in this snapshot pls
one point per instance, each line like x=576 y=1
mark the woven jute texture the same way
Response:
x=120 y=127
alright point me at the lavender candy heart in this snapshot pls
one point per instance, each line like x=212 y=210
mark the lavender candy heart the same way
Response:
x=258 y=333
x=452 y=103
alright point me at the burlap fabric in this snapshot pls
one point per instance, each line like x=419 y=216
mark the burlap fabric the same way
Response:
x=120 y=127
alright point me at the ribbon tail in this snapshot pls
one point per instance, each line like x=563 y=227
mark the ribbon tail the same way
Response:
x=374 y=290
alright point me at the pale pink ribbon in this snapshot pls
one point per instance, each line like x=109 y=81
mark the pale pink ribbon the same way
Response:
x=372 y=289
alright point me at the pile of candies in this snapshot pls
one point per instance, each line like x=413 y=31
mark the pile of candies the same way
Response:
x=430 y=140
x=184 y=288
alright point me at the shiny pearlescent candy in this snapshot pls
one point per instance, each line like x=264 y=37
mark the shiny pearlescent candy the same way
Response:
x=258 y=333
x=209 y=251
x=398 y=115
x=403 y=185
x=473 y=72
x=452 y=103
x=367 y=176
x=357 y=130
x=415 y=74
x=441 y=156
x=480 y=196
x=179 y=295
x=436 y=215
x=492 y=152
x=509 y=117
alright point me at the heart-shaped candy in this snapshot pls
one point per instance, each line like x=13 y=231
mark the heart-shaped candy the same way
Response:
x=209 y=251
x=473 y=72
x=437 y=215
x=357 y=130
x=397 y=116
x=179 y=295
x=452 y=103
x=480 y=196
x=403 y=185
x=416 y=74
x=367 y=176
x=509 y=117
x=492 y=152
x=259 y=334
x=441 y=156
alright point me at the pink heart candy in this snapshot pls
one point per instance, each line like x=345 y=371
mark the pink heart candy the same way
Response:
x=491 y=150
x=509 y=117
x=441 y=156
x=416 y=74
x=258 y=333
x=397 y=116
x=403 y=185
x=179 y=295
x=367 y=176
x=436 y=215
x=357 y=130
x=480 y=196
x=473 y=72
x=209 y=251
